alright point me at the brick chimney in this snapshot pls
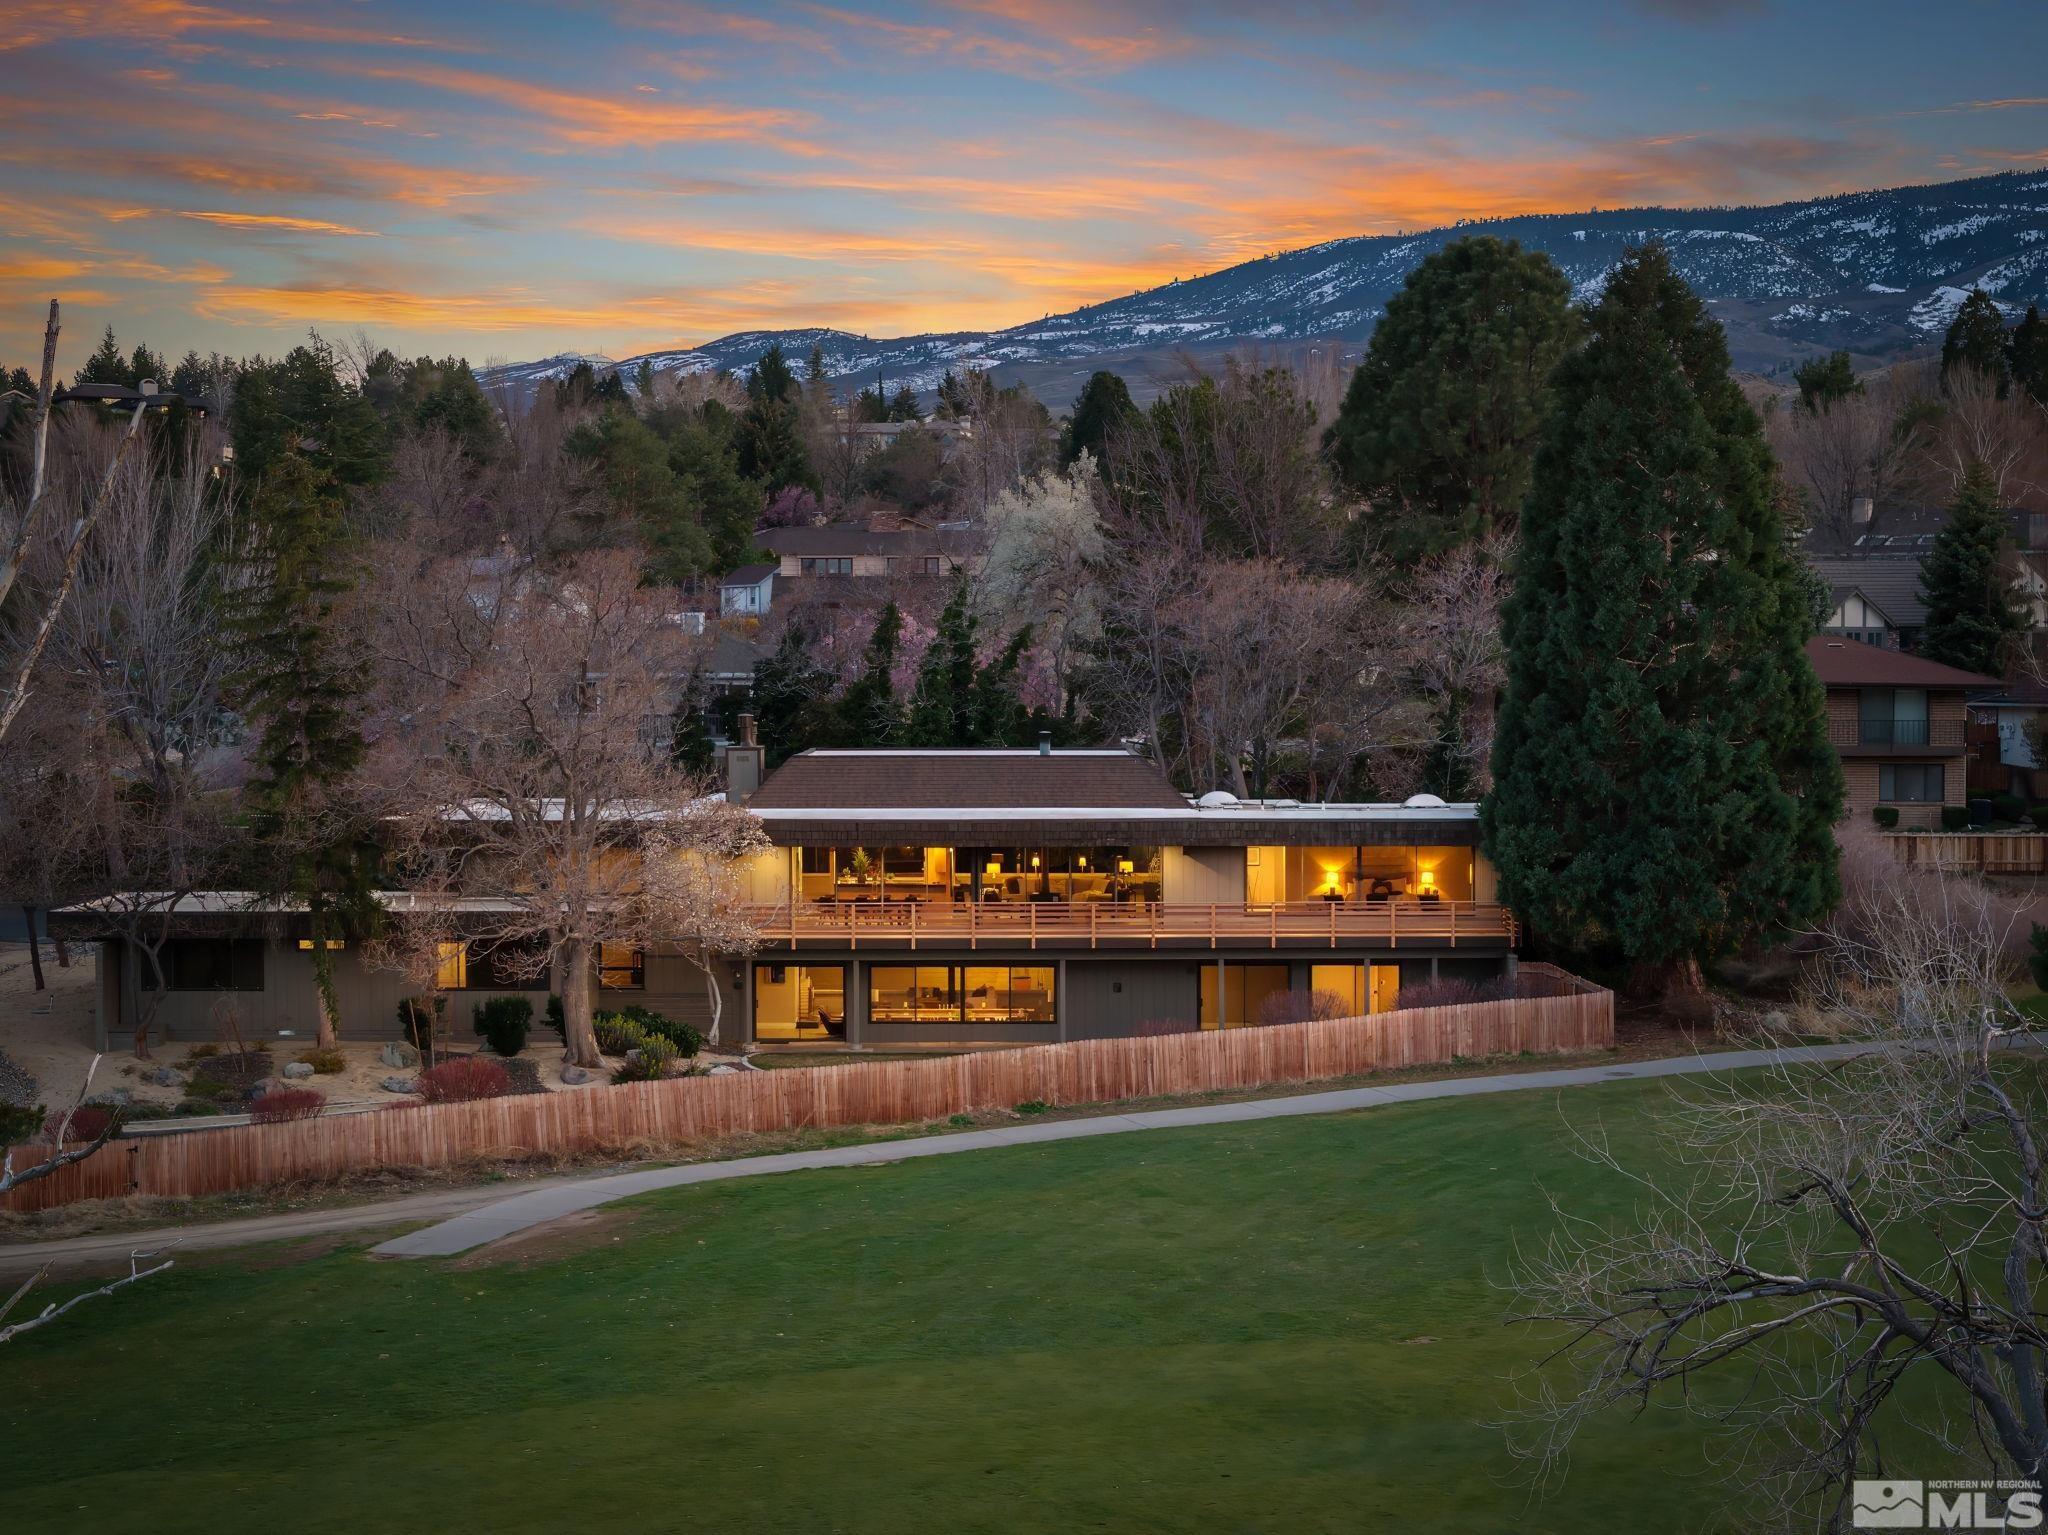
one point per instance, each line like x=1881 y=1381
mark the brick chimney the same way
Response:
x=743 y=764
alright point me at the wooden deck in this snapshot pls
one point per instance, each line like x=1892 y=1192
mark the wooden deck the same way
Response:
x=1135 y=925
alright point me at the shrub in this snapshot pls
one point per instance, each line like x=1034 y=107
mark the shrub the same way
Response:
x=685 y=1038
x=2039 y=816
x=416 y=1019
x=649 y=1060
x=1955 y=817
x=2037 y=955
x=326 y=1062
x=20 y=1124
x=616 y=1033
x=87 y=1121
x=1034 y=1106
x=287 y=1103
x=503 y=1022
x=557 y=1020
x=1154 y=1028
x=214 y=1089
x=1886 y=816
x=1301 y=1007
x=1452 y=993
x=205 y=1052
x=2008 y=807
x=464 y=1079
x=197 y=1108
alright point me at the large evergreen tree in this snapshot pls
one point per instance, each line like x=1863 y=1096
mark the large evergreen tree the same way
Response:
x=1663 y=782
x=1972 y=618
x=903 y=405
x=1439 y=427
x=1104 y=406
x=106 y=365
x=1976 y=338
x=299 y=686
x=1826 y=381
x=2029 y=355
x=959 y=702
x=868 y=711
x=789 y=696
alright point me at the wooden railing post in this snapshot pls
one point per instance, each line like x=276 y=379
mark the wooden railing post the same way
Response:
x=1393 y=924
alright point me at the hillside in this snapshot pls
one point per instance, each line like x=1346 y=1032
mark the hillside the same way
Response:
x=1879 y=273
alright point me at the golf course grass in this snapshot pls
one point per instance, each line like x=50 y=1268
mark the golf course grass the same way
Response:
x=1293 y=1325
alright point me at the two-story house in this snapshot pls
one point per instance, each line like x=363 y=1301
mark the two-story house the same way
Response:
x=948 y=897
x=1898 y=723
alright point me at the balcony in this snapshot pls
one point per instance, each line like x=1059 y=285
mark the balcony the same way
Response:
x=911 y=924
x=1906 y=737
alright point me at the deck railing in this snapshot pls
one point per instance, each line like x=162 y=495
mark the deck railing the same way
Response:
x=1135 y=924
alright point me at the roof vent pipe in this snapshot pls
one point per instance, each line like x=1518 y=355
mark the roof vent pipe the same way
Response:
x=1045 y=743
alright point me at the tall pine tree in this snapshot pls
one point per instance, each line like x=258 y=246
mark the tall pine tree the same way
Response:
x=1438 y=430
x=1663 y=783
x=2029 y=355
x=868 y=712
x=1976 y=339
x=1972 y=618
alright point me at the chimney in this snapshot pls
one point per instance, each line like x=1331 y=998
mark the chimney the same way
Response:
x=1860 y=511
x=1045 y=743
x=742 y=764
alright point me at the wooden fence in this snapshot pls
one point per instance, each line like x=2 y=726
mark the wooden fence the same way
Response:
x=1977 y=852
x=1555 y=1012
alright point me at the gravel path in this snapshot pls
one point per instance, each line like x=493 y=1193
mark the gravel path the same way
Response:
x=17 y=1086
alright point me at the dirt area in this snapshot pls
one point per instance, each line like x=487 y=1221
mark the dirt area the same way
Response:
x=48 y=1035
x=563 y=1238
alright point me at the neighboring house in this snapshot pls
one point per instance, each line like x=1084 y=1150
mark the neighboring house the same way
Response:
x=1874 y=598
x=747 y=592
x=1898 y=722
x=2013 y=711
x=838 y=550
x=949 y=897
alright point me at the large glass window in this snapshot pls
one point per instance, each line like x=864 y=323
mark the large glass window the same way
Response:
x=500 y=967
x=1345 y=982
x=213 y=964
x=1909 y=783
x=1233 y=994
x=799 y=1002
x=1077 y=874
x=621 y=968
x=957 y=994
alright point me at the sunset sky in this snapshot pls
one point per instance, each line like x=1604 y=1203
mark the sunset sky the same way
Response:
x=512 y=180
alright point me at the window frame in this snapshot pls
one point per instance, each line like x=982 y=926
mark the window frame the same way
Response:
x=228 y=951
x=1888 y=783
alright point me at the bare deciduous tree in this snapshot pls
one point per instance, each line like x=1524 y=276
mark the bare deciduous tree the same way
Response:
x=523 y=757
x=1453 y=632
x=1826 y=1234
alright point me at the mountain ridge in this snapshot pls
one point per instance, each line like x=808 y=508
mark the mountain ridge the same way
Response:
x=1877 y=273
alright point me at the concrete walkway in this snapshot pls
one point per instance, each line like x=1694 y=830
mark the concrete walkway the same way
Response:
x=491 y=1222
x=471 y=1217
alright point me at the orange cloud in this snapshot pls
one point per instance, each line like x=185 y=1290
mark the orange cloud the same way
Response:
x=605 y=121
x=280 y=222
x=31 y=23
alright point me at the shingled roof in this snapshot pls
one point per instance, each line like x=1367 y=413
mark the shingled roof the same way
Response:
x=1892 y=582
x=965 y=780
x=1841 y=662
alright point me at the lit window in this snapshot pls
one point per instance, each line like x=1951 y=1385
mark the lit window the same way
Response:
x=451 y=971
x=621 y=968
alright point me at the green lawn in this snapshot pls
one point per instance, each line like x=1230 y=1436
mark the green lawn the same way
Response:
x=1289 y=1326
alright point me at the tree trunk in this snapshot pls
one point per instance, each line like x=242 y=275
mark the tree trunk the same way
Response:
x=578 y=1038
x=323 y=980
x=717 y=1002
x=63 y=951
x=1668 y=980
x=35 y=950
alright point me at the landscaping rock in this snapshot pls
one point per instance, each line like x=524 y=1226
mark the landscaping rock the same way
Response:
x=397 y=1084
x=161 y=1076
x=575 y=1076
x=723 y=1071
x=298 y=1068
x=115 y=1097
x=258 y=1088
x=397 y=1053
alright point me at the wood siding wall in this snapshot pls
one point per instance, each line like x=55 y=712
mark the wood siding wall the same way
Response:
x=1576 y=1017
x=1982 y=853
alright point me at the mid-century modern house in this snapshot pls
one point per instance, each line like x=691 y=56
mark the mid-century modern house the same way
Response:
x=942 y=897
x=1898 y=723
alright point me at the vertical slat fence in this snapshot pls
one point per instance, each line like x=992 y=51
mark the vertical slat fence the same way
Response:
x=1567 y=1015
